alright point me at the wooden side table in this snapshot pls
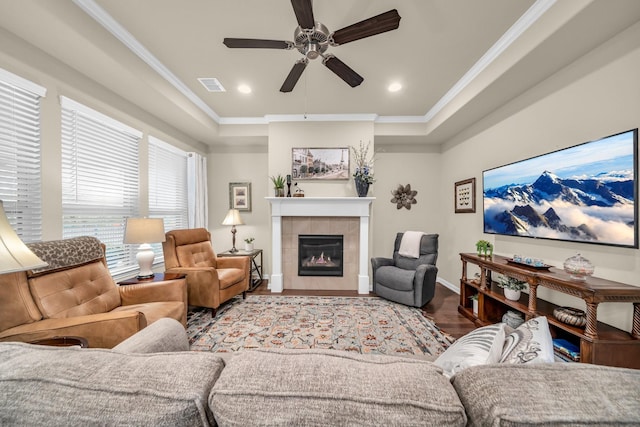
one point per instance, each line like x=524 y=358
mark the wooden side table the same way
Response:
x=256 y=268
x=157 y=277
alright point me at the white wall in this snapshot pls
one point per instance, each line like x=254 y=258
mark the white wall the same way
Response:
x=599 y=95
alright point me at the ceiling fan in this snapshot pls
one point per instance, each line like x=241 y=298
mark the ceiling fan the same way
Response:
x=312 y=39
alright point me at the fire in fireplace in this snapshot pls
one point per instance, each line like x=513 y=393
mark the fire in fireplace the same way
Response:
x=320 y=255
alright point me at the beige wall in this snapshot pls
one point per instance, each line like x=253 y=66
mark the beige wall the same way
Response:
x=599 y=95
x=394 y=165
x=240 y=166
x=22 y=59
x=283 y=136
x=420 y=167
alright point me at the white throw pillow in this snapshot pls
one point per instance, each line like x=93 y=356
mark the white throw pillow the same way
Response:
x=481 y=346
x=530 y=343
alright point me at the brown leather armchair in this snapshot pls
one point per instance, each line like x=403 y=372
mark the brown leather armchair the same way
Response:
x=76 y=296
x=210 y=280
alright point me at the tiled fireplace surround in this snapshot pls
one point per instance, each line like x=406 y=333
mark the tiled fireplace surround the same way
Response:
x=348 y=216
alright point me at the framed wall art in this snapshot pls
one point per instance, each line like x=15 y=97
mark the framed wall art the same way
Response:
x=240 y=196
x=465 y=196
x=320 y=163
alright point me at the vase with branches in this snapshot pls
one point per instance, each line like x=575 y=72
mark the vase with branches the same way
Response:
x=363 y=173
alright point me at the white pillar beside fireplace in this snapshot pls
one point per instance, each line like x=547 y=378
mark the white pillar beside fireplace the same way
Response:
x=319 y=206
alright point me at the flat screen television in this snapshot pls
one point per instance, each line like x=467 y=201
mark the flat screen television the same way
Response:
x=586 y=193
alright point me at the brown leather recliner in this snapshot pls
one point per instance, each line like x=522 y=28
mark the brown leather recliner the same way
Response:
x=210 y=280
x=76 y=296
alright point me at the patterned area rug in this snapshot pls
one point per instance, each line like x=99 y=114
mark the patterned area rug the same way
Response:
x=359 y=324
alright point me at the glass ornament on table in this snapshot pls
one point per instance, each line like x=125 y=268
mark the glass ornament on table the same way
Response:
x=578 y=267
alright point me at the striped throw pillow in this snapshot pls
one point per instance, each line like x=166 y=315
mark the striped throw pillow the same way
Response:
x=478 y=347
x=530 y=343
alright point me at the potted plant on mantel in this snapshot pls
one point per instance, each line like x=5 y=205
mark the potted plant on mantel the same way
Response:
x=512 y=287
x=278 y=185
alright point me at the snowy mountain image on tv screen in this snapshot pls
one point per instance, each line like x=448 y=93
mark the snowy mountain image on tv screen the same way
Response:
x=584 y=193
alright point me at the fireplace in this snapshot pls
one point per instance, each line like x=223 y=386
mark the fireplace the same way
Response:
x=320 y=255
x=292 y=216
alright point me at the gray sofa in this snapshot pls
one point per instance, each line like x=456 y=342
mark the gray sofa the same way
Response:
x=150 y=379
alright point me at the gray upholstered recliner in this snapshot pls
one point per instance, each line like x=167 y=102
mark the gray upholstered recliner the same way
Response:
x=409 y=281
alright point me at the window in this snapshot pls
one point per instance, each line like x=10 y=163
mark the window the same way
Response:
x=167 y=187
x=99 y=180
x=20 y=183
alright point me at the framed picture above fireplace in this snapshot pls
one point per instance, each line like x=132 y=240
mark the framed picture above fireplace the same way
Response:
x=320 y=163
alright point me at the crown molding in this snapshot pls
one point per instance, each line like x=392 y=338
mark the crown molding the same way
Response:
x=517 y=29
x=91 y=8
x=401 y=119
x=538 y=9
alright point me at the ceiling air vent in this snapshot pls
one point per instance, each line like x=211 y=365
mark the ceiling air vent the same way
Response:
x=212 y=84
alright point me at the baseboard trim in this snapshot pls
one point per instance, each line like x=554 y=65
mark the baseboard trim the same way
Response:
x=448 y=285
x=440 y=280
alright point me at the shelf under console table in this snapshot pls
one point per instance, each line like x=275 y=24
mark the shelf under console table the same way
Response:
x=599 y=343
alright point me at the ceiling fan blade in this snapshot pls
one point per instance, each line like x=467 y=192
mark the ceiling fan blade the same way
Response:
x=304 y=13
x=294 y=75
x=257 y=43
x=343 y=71
x=369 y=27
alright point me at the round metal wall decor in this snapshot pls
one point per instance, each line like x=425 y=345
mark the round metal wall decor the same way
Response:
x=403 y=196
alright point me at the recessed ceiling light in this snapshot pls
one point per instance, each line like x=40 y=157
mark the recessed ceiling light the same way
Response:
x=244 y=89
x=394 y=87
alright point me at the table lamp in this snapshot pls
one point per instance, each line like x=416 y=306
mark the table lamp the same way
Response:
x=14 y=254
x=144 y=231
x=233 y=219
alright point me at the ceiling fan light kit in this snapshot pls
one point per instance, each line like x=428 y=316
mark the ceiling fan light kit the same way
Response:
x=312 y=39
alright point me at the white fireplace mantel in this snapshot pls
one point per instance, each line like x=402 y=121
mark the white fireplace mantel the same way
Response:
x=319 y=206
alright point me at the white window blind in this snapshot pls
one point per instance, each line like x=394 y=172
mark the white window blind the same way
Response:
x=20 y=183
x=99 y=180
x=167 y=187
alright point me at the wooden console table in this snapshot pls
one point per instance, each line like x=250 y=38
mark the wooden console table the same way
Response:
x=599 y=343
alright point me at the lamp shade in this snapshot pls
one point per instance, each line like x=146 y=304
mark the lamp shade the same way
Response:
x=144 y=230
x=14 y=254
x=232 y=218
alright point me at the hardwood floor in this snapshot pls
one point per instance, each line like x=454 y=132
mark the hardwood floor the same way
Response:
x=443 y=308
